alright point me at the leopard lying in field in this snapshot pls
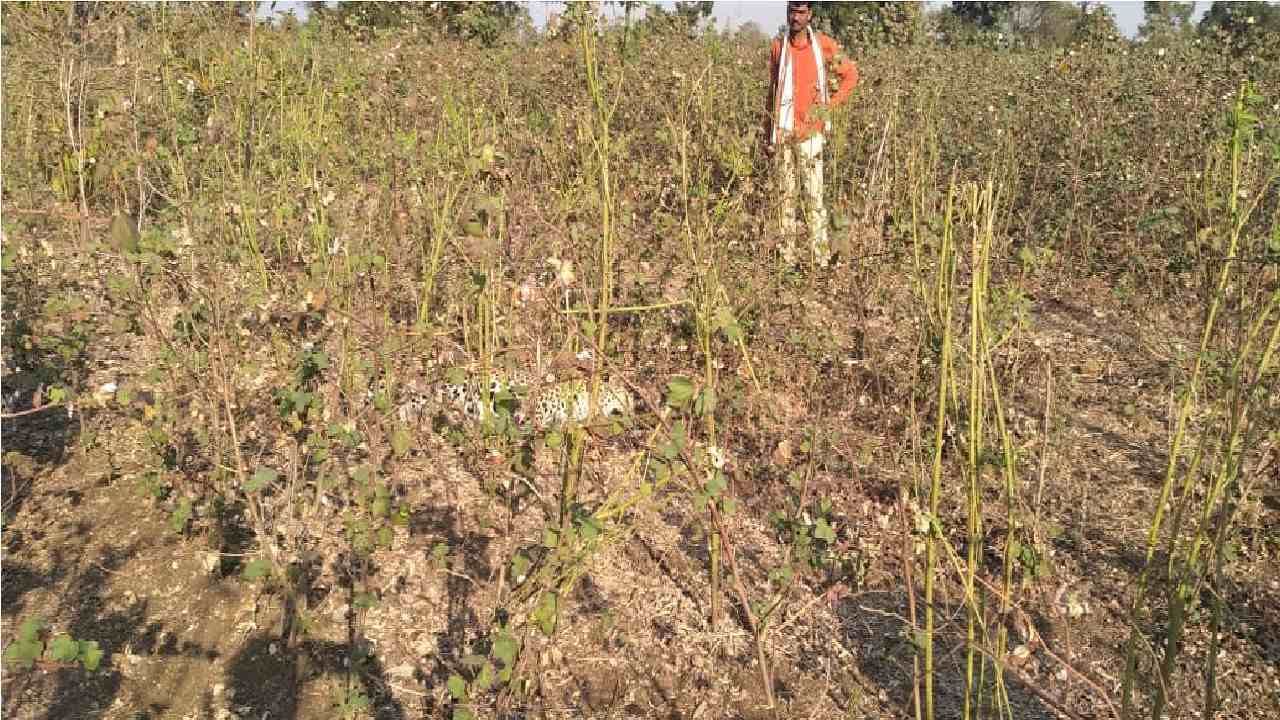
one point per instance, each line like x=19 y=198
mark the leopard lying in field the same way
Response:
x=541 y=405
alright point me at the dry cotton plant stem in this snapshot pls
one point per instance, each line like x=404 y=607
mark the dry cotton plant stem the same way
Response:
x=1236 y=221
x=602 y=143
x=978 y=343
x=1009 y=469
x=942 y=289
x=762 y=657
x=600 y=139
x=908 y=563
x=1046 y=443
x=74 y=97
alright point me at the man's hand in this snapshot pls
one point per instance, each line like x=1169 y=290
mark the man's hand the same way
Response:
x=768 y=148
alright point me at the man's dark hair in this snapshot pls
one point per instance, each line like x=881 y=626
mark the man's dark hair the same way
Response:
x=799 y=3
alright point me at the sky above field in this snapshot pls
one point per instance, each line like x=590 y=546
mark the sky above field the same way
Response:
x=769 y=14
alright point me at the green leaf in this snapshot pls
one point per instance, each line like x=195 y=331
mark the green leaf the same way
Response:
x=545 y=613
x=679 y=435
x=260 y=479
x=484 y=680
x=256 y=569
x=716 y=484
x=63 y=649
x=679 y=391
x=461 y=713
x=402 y=516
x=381 y=506
x=30 y=629
x=519 y=567
x=457 y=687
x=90 y=655
x=661 y=473
x=401 y=441
x=362 y=475
x=824 y=531
x=182 y=514
x=364 y=600
x=554 y=440
x=589 y=527
x=23 y=653
x=505 y=649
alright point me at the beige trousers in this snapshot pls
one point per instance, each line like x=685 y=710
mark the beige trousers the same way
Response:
x=804 y=159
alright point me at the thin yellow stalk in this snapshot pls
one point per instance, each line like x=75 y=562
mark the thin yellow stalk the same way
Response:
x=1009 y=470
x=946 y=265
x=976 y=337
x=601 y=143
x=982 y=216
x=1184 y=412
x=441 y=221
x=600 y=138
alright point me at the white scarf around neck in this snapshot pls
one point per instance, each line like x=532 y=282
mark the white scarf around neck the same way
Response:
x=786 y=115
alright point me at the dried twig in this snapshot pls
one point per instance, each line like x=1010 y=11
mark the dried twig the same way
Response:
x=29 y=411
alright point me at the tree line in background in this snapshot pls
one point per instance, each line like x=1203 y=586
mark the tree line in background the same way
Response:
x=1242 y=26
x=1245 y=26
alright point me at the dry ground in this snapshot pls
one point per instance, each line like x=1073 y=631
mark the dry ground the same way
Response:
x=186 y=637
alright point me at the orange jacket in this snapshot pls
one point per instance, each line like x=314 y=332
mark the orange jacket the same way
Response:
x=842 y=76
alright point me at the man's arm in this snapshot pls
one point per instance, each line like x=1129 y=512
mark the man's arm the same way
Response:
x=844 y=69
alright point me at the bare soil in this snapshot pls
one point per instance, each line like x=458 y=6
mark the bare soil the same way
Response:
x=186 y=637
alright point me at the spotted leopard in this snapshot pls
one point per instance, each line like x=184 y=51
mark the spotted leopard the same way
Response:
x=543 y=405
x=569 y=401
x=467 y=394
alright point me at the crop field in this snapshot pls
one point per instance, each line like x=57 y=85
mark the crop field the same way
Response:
x=392 y=375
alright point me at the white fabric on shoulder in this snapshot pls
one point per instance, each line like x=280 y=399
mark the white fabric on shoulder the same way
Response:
x=784 y=122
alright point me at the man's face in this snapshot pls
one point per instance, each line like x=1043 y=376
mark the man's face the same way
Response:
x=798 y=17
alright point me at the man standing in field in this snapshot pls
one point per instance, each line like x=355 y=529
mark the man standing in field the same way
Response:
x=801 y=89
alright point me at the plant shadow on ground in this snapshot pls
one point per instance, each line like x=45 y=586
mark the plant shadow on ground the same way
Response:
x=467 y=559
x=71 y=691
x=33 y=444
x=268 y=678
x=876 y=630
x=1250 y=609
x=270 y=669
